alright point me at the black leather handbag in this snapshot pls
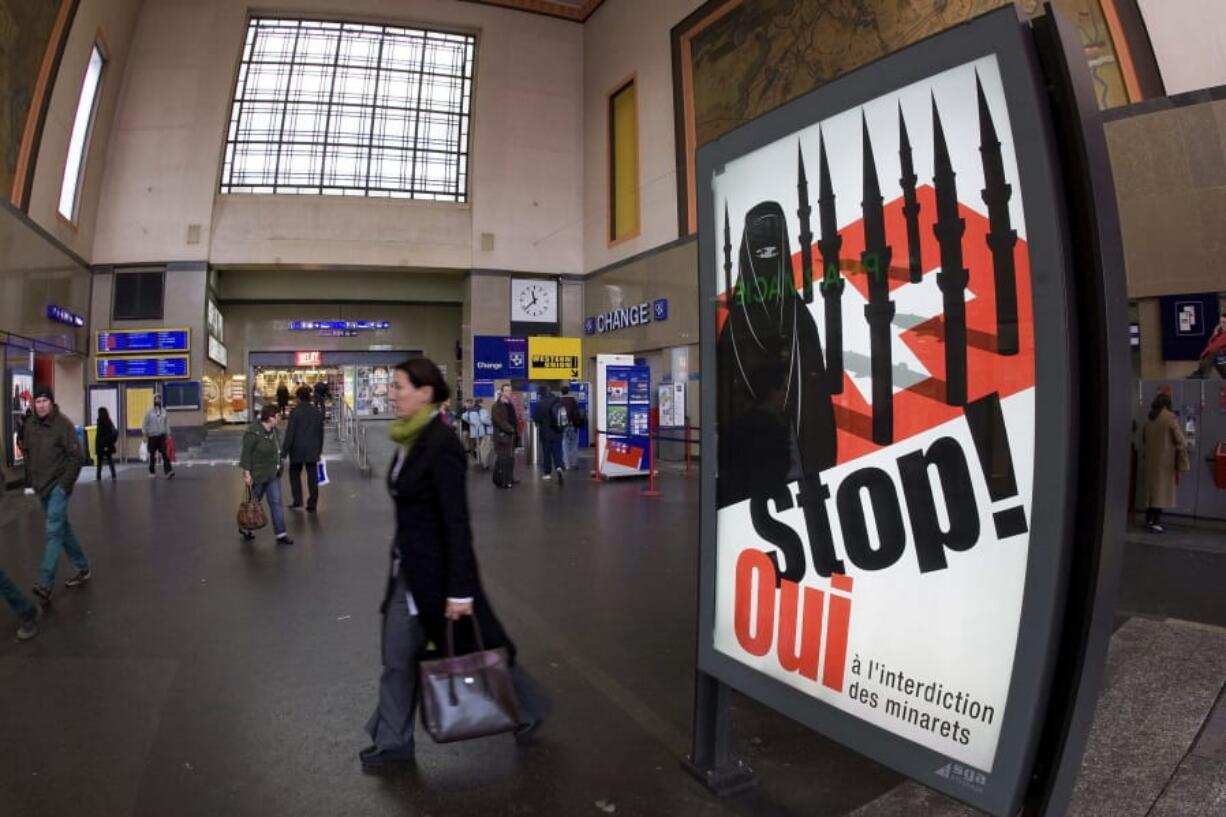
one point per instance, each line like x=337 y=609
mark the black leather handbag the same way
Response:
x=468 y=696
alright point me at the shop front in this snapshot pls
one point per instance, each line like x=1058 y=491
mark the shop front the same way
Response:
x=361 y=379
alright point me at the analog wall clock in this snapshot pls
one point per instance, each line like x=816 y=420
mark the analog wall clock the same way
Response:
x=534 y=300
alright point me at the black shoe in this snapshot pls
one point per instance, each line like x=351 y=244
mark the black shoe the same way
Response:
x=79 y=578
x=525 y=733
x=246 y=534
x=310 y=509
x=284 y=540
x=43 y=593
x=374 y=759
x=171 y=475
x=561 y=475
x=295 y=506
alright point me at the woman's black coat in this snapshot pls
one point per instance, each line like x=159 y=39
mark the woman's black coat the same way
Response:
x=434 y=539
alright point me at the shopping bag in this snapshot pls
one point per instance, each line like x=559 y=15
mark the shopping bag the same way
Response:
x=170 y=450
x=468 y=696
x=321 y=472
x=251 y=512
x=143 y=454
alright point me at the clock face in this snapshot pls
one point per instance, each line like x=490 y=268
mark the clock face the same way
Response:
x=534 y=301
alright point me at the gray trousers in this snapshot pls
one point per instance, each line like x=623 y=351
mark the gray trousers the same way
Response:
x=391 y=725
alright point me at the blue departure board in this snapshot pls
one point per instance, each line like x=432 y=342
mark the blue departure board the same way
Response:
x=126 y=341
x=168 y=367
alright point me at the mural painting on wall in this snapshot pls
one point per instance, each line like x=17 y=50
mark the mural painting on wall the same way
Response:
x=26 y=28
x=743 y=58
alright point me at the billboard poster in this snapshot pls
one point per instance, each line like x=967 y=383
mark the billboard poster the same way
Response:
x=20 y=400
x=882 y=563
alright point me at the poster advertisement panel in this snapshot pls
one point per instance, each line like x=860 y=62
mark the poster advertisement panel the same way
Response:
x=883 y=562
x=627 y=402
x=20 y=400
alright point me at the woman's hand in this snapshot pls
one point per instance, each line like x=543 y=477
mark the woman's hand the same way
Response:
x=247 y=478
x=458 y=609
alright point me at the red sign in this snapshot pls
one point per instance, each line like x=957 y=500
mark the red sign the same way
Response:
x=308 y=358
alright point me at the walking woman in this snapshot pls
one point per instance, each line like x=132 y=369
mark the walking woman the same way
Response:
x=261 y=464
x=1161 y=441
x=105 y=439
x=434 y=575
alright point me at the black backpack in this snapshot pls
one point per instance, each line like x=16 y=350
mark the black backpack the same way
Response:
x=559 y=419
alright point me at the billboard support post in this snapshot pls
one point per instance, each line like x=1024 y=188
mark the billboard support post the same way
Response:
x=711 y=760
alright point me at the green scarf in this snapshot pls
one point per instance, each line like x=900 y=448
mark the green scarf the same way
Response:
x=405 y=431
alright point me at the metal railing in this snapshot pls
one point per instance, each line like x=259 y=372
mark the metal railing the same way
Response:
x=352 y=432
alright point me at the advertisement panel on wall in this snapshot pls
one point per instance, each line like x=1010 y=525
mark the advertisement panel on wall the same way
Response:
x=555 y=358
x=497 y=357
x=883 y=562
x=20 y=394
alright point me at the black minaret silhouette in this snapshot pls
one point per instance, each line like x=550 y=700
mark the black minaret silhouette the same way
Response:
x=727 y=261
x=953 y=276
x=880 y=309
x=832 y=278
x=1001 y=236
x=806 y=235
x=911 y=206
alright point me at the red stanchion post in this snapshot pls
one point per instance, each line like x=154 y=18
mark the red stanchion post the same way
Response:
x=653 y=448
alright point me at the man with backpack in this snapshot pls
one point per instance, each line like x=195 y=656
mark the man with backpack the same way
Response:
x=551 y=420
x=570 y=434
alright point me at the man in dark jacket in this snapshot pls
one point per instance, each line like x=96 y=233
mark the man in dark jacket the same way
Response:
x=506 y=428
x=54 y=457
x=304 y=445
x=549 y=428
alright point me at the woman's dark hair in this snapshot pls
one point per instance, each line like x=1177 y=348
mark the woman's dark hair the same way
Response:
x=267 y=412
x=303 y=394
x=104 y=416
x=422 y=372
x=1161 y=401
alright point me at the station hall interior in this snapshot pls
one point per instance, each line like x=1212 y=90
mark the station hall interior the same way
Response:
x=212 y=204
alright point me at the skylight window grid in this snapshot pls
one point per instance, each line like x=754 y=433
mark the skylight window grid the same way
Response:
x=350 y=109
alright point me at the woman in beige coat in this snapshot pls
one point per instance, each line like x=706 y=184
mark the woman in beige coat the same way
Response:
x=1160 y=441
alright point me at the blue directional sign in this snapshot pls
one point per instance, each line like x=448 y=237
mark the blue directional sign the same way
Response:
x=62 y=315
x=165 y=367
x=496 y=357
x=353 y=326
x=129 y=341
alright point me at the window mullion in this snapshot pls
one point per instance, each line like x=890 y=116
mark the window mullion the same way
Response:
x=289 y=79
x=374 y=111
x=336 y=67
x=421 y=81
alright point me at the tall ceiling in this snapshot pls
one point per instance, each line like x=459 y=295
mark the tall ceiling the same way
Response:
x=574 y=10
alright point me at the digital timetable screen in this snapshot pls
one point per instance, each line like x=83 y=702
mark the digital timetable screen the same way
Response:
x=144 y=368
x=124 y=341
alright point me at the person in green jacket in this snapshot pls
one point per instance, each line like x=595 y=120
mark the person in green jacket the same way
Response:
x=261 y=464
x=53 y=457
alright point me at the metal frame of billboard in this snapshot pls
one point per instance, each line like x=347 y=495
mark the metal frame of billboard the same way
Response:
x=1079 y=308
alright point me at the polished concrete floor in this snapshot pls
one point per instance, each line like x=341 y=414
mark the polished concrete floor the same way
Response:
x=198 y=675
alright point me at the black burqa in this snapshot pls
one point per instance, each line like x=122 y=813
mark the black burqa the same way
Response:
x=776 y=417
